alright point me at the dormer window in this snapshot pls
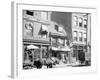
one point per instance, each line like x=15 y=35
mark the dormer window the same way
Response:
x=60 y=29
x=57 y=28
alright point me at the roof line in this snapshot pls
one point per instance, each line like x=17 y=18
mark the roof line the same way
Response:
x=56 y=6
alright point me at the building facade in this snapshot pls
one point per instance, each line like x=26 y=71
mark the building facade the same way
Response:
x=42 y=37
x=81 y=35
x=35 y=33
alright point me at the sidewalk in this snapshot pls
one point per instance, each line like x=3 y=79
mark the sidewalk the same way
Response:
x=63 y=65
x=66 y=65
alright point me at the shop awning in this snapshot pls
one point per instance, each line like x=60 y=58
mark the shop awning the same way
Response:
x=32 y=47
x=58 y=34
x=54 y=48
x=61 y=49
x=65 y=49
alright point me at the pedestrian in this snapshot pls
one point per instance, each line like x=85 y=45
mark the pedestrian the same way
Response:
x=48 y=63
x=38 y=64
x=81 y=57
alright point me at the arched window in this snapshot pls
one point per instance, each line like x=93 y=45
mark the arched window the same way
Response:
x=85 y=23
x=84 y=37
x=75 y=20
x=75 y=35
x=80 y=36
x=80 y=22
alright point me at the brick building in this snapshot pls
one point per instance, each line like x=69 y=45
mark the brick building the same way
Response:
x=81 y=34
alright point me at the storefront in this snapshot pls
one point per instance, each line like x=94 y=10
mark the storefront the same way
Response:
x=33 y=51
x=62 y=54
x=78 y=50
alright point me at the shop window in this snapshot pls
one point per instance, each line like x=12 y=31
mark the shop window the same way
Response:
x=75 y=35
x=74 y=51
x=36 y=55
x=25 y=56
x=44 y=15
x=31 y=13
x=80 y=22
x=44 y=53
x=75 y=20
x=80 y=36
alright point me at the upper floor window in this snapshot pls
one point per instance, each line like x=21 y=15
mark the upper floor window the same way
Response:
x=80 y=22
x=29 y=28
x=44 y=31
x=80 y=36
x=75 y=34
x=60 y=42
x=60 y=29
x=44 y=15
x=75 y=20
x=85 y=23
x=56 y=27
x=54 y=41
x=31 y=13
x=84 y=37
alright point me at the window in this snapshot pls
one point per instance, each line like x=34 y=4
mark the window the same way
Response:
x=44 y=15
x=60 y=42
x=75 y=20
x=56 y=27
x=29 y=28
x=44 y=31
x=75 y=35
x=84 y=37
x=44 y=52
x=60 y=29
x=54 y=41
x=80 y=36
x=80 y=22
x=74 y=51
x=85 y=23
x=31 y=13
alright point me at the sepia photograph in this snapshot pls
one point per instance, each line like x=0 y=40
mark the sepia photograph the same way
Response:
x=55 y=39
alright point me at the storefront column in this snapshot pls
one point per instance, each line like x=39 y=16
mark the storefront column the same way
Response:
x=70 y=56
x=77 y=48
x=48 y=51
x=40 y=52
x=33 y=56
